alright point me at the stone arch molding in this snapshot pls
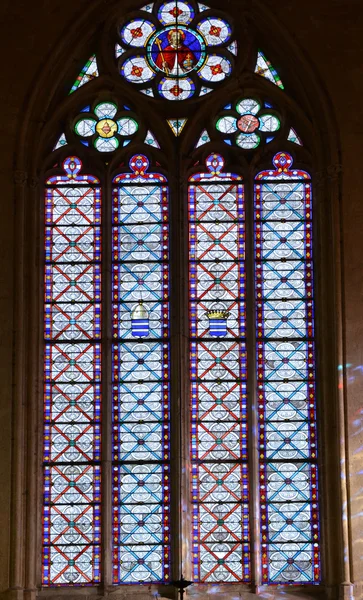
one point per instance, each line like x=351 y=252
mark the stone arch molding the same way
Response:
x=305 y=97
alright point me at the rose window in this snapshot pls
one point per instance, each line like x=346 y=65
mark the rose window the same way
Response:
x=176 y=51
x=248 y=123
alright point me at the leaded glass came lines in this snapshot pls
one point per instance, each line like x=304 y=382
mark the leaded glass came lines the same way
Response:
x=72 y=385
x=286 y=374
x=221 y=550
x=140 y=351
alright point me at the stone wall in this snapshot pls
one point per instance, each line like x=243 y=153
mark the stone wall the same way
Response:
x=328 y=34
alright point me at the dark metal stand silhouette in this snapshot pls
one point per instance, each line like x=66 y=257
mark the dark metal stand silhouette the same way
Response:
x=181 y=584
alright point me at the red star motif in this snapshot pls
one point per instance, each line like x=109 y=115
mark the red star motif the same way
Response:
x=136 y=33
x=216 y=69
x=136 y=71
x=176 y=90
x=175 y=12
x=215 y=30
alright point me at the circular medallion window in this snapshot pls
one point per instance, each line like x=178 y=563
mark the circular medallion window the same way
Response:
x=176 y=51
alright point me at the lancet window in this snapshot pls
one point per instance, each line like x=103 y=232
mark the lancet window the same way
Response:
x=136 y=202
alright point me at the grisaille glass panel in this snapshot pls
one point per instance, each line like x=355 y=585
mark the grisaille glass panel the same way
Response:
x=140 y=351
x=72 y=378
x=221 y=551
x=286 y=374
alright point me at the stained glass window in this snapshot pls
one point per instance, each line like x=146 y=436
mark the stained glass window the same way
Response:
x=89 y=72
x=151 y=140
x=72 y=386
x=107 y=127
x=170 y=50
x=203 y=139
x=293 y=137
x=62 y=141
x=177 y=125
x=265 y=69
x=140 y=355
x=286 y=374
x=247 y=123
x=221 y=551
x=178 y=50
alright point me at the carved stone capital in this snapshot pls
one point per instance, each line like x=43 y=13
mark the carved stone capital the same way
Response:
x=328 y=175
x=333 y=171
x=319 y=178
x=20 y=178
x=33 y=182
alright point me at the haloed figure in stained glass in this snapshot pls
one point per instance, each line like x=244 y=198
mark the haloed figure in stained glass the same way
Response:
x=177 y=57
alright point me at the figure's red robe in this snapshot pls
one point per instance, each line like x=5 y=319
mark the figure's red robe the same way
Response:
x=168 y=55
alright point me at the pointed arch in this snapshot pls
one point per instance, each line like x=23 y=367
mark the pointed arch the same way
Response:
x=313 y=103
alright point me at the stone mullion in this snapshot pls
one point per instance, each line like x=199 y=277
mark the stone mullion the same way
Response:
x=34 y=388
x=185 y=507
x=252 y=394
x=346 y=586
x=331 y=417
x=18 y=444
x=106 y=389
x=179 y=371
